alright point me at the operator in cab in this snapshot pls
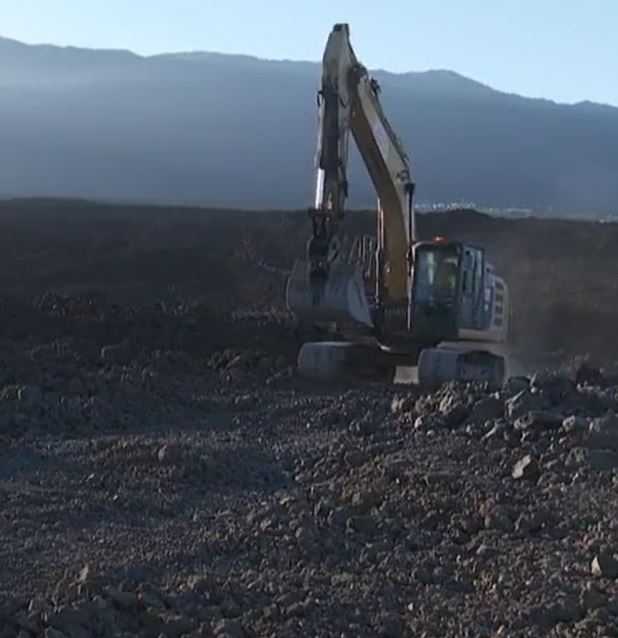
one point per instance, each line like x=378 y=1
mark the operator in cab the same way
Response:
x=446 y=278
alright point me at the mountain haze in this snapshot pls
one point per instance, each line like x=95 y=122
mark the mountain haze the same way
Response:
x=232 y=130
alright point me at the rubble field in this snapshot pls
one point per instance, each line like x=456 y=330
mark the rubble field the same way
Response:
x=164 y=471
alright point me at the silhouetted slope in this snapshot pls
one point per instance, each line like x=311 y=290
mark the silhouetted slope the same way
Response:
x=239 y=131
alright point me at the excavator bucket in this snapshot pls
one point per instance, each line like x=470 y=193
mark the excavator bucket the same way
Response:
x=339 y=297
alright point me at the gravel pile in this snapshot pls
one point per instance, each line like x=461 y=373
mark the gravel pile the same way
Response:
x=202 y=489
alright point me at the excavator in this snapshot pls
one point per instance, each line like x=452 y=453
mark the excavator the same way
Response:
x=391 y=300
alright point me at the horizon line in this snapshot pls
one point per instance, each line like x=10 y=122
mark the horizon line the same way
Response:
x=253 y=56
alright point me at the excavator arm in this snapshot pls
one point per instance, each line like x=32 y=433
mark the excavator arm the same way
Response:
x=349 y=104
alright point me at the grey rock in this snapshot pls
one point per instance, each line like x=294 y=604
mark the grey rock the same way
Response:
x=496 y=432
x=229 y=629
x=169 y=455
x=453 y=410
x=523 y=403
x=604 y=564
x=39 y=604
x=497 y=518
x=532 y=522
x=487 y=409
x=402 y=405
x=361 y=524
x=586 y=375
x=515 y=385
x=592 y=597
x=429 y=422
x=356 y=458
x=603 y=433
x=573 y=424
x=123 y=599
x=119 y=354
x=602 y=460
x=538 y=420
x=177 y=626
x=30 y=395
x=555 y=387
x=65 y=618
x=391 y=626
x=526 y=468
x=151 y=599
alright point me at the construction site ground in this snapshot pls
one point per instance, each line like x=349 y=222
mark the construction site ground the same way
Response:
x=164 y=471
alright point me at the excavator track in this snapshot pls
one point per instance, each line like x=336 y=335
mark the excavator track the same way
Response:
x=437 y=366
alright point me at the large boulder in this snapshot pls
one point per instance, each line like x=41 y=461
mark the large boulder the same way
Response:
x=522 y=403
x=602 y=433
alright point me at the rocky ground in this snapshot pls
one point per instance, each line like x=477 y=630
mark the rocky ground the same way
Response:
x=164 y=472
x=162 y=482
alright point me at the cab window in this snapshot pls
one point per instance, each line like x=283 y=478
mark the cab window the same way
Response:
x=436 y=275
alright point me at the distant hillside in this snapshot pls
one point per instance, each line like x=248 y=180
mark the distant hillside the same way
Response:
x=239 y=131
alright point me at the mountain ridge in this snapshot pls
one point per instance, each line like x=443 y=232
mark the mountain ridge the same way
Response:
x=239 y=131
x=198 y=55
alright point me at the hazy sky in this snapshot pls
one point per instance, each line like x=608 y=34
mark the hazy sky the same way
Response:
x=566 y=50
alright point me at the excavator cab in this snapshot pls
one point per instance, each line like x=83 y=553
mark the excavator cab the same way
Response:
x=447 y=290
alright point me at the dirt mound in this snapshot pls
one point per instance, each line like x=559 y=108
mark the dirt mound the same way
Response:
x=562 y=274
x=202 y=489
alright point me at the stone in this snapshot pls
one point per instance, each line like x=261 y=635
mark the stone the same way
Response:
x=229 y=629
x=120 y=354
x=526 y=468
x=523 y=403
x=532 y=522
x=497 y=432
x=573 y=424
x=577 y=458
x=603 y=433
x=555 y=387
x=602 y=460
x=402 y=405
x=356 y=458
x=30 y=395
x=169 y=455
x=176 y=627
x=515 y=385
x=123 y=599
x=471 y=524
x=200 y=584
x=39 y=605
x=487 y=409
x=65 y=618
x=361 y=524
x=429 y=422
x=391 y=626
x=497 y=518
x=586 y=375
x=453 y=410
x=604 y=565
x=538 y=420
x=85 y=575
x=592 y=597
x=151 y=599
